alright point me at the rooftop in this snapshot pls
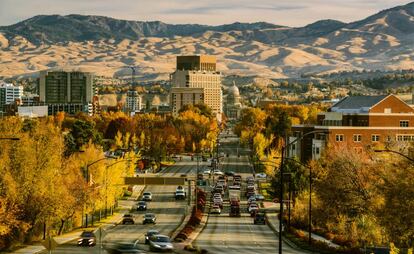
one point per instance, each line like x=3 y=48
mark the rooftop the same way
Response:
x=357 y=103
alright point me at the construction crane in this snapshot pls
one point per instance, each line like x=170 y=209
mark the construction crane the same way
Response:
x=134 y=72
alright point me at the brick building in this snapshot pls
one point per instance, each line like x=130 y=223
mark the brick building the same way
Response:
x=359 y=122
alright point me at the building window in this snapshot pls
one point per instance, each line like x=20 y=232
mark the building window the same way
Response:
x=357 y=137
x=389 y=139
x=375 y=138
x=339 y=137
x=387 y=111
x=404 y=123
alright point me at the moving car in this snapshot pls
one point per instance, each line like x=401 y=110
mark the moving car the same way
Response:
x=160 y=243
x=217 y=172
x=179 y=188
x=229 y=173
x=180 y=194
x=87 y=238
x=259 y=218
x=149 y=234
x=207 y=171
x=123 y=247
x=142 y=206
x=149 y=218
x=261 y=175
x=127 y=219
x=259 y=197
x=215 y=209
x=147 y=196
x=253 y=208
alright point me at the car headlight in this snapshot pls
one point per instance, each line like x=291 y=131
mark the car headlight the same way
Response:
x=156 y=245
x=91 y=240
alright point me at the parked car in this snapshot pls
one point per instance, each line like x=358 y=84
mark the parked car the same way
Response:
x=215 y=209
x=179 y=188
x=149 y=234
x=160 y=243
x=207 y=172
x=147 y=196
x=149 y=218
x=259 y=218
x=142 y=206
x=127 y=219
x=87 y=238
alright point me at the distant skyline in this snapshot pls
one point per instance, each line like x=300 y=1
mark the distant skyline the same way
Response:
x=211 y=12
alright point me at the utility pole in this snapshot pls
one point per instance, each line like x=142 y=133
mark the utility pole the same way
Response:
x=281 y=199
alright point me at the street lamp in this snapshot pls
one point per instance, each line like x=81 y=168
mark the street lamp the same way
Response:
x=284 y=148
x=310 y=197
x=106 y=183
x=87 y=179
x=396 y=152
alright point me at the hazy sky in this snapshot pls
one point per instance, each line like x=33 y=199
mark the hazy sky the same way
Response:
x=281 y=12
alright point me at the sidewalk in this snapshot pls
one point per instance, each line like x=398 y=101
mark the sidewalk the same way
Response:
x=273 y=222
x=73 y=235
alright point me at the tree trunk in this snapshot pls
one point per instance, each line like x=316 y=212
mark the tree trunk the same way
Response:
x=62 y=223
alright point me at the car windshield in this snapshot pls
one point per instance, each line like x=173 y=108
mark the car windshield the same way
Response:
x=150 y=233
x=127 y=215
x=142 y=203
x=87 y=234
x=150 y=215
x=147 y=193
x=162 y=239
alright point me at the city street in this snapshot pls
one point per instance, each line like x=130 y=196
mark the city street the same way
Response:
x=224 y=234
x=168 y=211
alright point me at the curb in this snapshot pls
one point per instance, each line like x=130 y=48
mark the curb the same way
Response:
x=95 y=229
x=287 y=241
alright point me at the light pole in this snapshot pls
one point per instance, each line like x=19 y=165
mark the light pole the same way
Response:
x=395 y=152
x=106 y=183
x=284 y=148
x=87 y=179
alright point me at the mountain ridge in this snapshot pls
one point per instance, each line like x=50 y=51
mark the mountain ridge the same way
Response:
x=383 y=41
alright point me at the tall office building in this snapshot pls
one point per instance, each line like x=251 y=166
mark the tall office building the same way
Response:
x=68 y=91
x=9 y=94
x=133 y=102
x=196 y=80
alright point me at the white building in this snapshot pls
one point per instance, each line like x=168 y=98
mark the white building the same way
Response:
x=196 y=80
x=10 y=93
x=133 y=102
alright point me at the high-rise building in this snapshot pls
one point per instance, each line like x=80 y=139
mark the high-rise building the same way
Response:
x=196 y=80
x=9 y=93
x=69 y=91
x=133 y=102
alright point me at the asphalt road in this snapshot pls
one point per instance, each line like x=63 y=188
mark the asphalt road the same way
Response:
x=224 y=234
x=169 y=213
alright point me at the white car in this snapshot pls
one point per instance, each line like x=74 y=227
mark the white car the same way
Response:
x=253 y=208
x=218 y=172
x=207 y=172
x=217 y=200
x=261 y=175
x=160 y=243
x=215 y=209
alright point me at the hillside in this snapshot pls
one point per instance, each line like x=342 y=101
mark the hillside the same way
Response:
x=384 y=41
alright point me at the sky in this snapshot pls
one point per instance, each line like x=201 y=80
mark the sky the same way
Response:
x=211 y=12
